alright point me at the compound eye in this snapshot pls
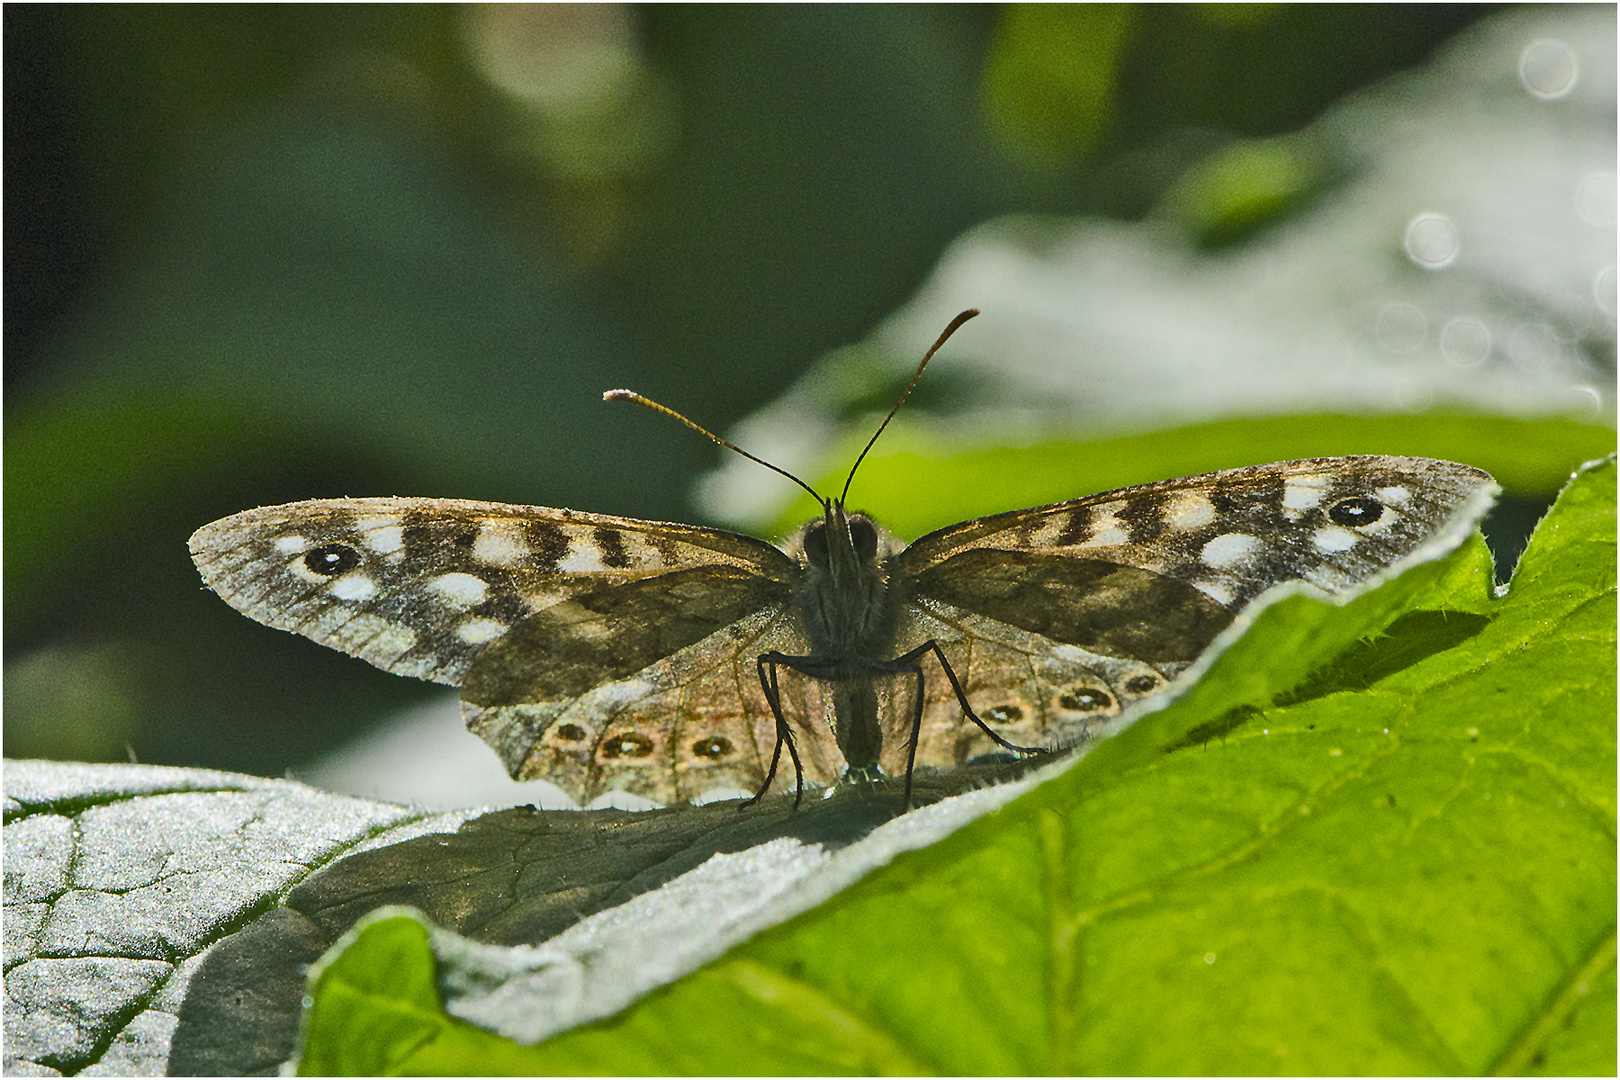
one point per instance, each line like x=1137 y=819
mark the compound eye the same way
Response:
x=815 y=544
x=864 y=535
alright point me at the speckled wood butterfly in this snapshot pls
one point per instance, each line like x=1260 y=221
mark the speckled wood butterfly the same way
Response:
x=605 y=653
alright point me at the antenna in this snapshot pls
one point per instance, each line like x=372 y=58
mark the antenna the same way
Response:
x=956 y=324
x=649 y=403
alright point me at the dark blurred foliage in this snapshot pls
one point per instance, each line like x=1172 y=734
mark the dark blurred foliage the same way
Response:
x=255 y=254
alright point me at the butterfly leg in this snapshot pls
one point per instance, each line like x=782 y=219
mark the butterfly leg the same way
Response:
x=961 y=697
x=916 y=735
x=784 y=734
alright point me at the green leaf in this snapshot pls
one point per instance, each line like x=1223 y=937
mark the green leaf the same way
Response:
x=376 y=1010
x=1049 y=79
x=1377 y=837
x=1245 y=185
x=379 y=994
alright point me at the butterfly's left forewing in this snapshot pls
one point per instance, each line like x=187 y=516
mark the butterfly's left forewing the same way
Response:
x=1058 y=617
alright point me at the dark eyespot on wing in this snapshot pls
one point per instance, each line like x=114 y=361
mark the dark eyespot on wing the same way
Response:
x=1354 y=512
x=1104 y=607
x=332 y=560
x=605 y=635
x=1085 y=699
x=714 y=747
x=626 y=744
x=1143 y=684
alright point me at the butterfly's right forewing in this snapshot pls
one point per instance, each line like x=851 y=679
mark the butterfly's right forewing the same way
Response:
x=1235 y=533
x=1058 y=617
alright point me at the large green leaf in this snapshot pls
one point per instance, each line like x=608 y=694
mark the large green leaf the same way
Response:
x=1402 y=861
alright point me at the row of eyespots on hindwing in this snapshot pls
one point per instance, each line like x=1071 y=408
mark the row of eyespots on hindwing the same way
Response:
x=645 y=755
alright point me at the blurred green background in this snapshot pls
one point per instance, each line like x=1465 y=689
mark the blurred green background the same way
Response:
x=258 y=254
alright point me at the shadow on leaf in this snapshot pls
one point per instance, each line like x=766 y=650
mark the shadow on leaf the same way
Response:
x=511 y=876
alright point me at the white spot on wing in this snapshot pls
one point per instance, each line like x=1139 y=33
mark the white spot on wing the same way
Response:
x=1303 y=492
x=1395 y=496
x=581 y=559
x=353 y=587
x=381 y=534
x=1106 y=529
x=478 y=631
x=500 y=543
x=1189 y=510
x=1217 y=592
x=291 y=544
x=1333 y=539
x=1229 y=549
x=458 y=590
x=1110 y=536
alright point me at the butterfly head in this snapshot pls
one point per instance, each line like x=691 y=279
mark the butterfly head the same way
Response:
x=840 y=543
x=844 y=595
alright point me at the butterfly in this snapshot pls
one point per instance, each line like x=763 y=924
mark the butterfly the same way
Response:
x=670 y=661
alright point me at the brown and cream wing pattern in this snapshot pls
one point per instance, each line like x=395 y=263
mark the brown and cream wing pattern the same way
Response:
x=419 y=587
x=1057 y=617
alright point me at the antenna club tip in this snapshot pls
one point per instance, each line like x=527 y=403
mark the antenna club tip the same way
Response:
x=619 y=395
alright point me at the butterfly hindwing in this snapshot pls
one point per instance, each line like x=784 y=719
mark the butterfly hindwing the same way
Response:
x=1031 y=690
x=669 y=721
x=649 y=686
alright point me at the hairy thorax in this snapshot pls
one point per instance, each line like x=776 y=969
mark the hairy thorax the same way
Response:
x=846 y=599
